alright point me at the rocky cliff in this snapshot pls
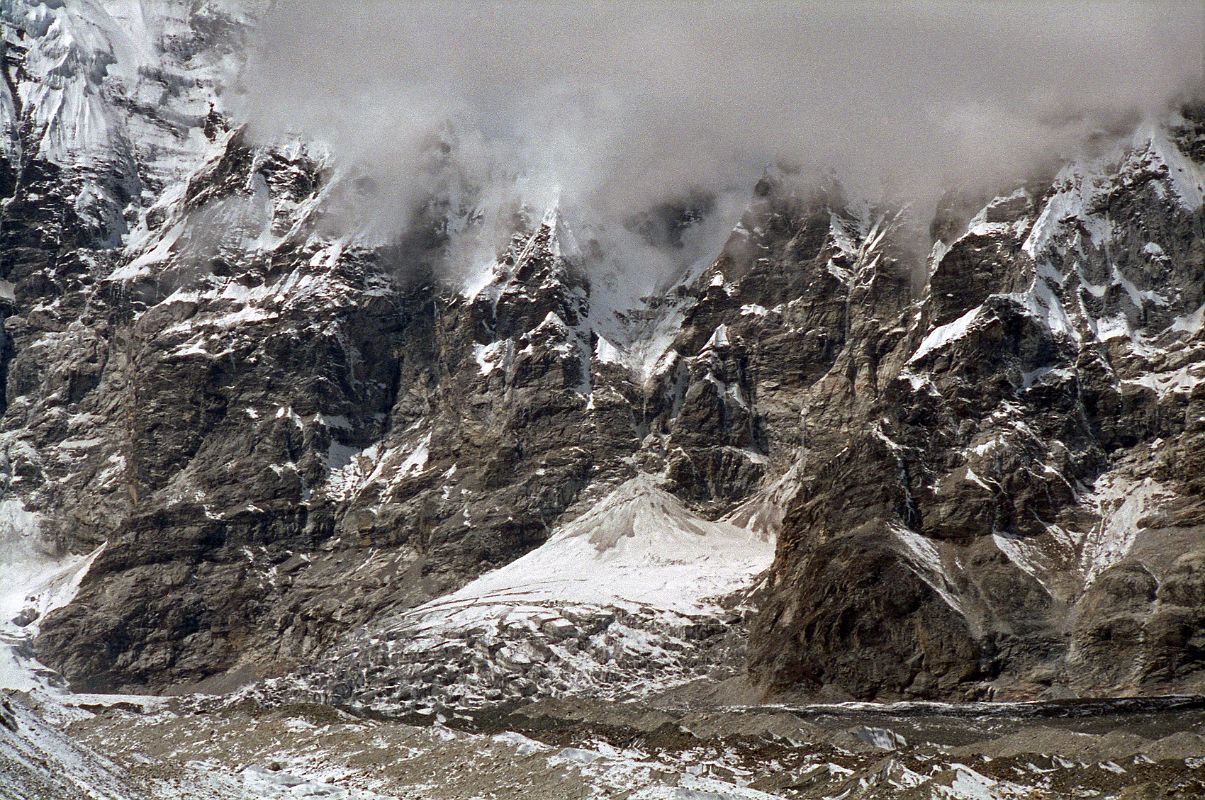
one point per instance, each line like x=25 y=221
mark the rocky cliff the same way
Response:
x=1003 y=492
x=291 y=449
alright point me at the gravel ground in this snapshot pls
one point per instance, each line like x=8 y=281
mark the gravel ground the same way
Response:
x=211 y=748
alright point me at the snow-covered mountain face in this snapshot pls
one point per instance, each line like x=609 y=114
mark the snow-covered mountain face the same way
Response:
x=292 y=452
x=1023 y=505
x=107 y=104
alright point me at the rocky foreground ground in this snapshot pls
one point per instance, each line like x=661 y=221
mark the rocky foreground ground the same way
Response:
x=206 y=748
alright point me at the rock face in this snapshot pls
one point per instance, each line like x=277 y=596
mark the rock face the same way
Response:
x=1017 y=497
x=985 y=466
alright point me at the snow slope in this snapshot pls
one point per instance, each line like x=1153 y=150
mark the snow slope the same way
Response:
x=33 y=582
x=635 y=595
x=119 y=94
x=638 y=548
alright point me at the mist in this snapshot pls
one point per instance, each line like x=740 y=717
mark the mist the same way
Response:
x=617 y=107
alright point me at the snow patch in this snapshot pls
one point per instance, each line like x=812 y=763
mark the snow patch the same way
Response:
x=638 y=547
x=491 y=356
x=719 y=338
x=417 y=460
x=1121 y=505
x=607 y=353
x=33 y=582
x=1178 y=381
x=1183 y=174
x=944 y=334
x=927 y=564
x=1190 y=323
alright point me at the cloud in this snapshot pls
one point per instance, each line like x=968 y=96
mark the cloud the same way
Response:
x=623 y=105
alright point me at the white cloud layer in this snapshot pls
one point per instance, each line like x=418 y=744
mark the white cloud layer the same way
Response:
x=622 y=104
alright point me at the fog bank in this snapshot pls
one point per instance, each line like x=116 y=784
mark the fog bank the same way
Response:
x=621 y=105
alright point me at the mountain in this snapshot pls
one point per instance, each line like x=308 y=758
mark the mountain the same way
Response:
x=1003 y=497
x=848 y=455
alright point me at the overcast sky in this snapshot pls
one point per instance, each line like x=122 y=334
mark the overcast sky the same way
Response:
x=622 y=103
